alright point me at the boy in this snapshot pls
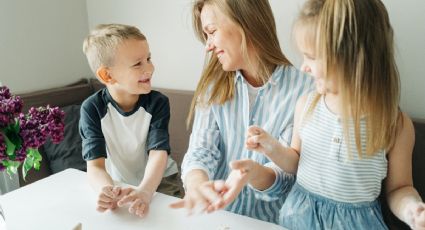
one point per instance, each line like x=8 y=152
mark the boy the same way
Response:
x=124 y=126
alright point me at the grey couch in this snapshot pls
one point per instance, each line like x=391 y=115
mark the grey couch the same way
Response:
x=179 y=135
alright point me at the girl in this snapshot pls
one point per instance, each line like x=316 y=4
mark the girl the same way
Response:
x=349 y=135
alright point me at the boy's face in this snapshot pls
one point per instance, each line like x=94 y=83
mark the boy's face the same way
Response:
x=132 y=68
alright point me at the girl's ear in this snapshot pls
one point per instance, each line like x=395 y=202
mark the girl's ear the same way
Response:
x=104 y=76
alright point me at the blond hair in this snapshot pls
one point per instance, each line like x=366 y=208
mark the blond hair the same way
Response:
x=102 y=42
x=354 y=39
x=257 y=26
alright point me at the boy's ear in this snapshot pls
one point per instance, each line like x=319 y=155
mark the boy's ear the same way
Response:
x=104 y=76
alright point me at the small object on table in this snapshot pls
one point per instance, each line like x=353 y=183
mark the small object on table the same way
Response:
x=79 y=226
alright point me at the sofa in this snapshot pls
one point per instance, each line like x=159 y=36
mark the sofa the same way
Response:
x=68 y=152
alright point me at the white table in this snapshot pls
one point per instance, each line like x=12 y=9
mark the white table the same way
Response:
x=65 y=199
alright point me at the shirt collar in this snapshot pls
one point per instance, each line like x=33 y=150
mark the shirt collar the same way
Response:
x=277 y=73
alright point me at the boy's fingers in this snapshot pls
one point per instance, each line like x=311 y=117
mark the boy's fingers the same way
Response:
x=103 y=197
x=100 y=209
x=107 y=190
x=178 y=204
x=125 y=200
x=103 y=204
x=135 y=205
x=116 y=191
x=141 y=210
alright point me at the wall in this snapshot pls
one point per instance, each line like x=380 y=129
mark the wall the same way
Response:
x=40 y=43
x=179 y=57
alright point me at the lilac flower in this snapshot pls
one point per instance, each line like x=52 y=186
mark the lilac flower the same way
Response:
x=9 y=109
x=34 y=127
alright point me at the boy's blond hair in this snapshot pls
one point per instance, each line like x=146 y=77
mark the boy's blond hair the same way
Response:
x=101 y=44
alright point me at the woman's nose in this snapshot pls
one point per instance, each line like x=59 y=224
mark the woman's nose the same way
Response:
x=209 y=44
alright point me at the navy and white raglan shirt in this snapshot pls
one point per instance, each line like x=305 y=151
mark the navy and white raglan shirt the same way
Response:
x=125 y=138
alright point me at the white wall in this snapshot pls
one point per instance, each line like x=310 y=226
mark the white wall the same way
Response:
x=40 y=43
x=179 y=57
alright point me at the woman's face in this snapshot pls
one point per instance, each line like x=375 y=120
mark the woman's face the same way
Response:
x=224 y=38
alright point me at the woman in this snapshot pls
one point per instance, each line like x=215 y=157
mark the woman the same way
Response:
x=247 y=81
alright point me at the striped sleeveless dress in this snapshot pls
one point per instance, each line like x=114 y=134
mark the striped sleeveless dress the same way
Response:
x=335 y=188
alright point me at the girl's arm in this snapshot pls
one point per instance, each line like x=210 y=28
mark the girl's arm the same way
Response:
x=403 y=199
x=285 y=157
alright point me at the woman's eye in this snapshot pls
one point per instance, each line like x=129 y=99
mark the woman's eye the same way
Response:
x=149 y=59
x=138 y=64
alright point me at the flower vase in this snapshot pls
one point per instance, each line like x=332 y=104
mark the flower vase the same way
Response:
x=2 y=220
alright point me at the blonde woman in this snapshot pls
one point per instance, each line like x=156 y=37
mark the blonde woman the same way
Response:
x=349 y=135
x=247 y=81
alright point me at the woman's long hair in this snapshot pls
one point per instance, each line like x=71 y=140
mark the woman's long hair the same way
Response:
x=258 y=29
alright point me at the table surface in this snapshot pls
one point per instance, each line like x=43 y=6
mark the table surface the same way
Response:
x=63 y=200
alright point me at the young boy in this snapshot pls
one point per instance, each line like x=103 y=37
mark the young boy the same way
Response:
x=124 y=126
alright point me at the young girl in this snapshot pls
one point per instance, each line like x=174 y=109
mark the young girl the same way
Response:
x=349 y=135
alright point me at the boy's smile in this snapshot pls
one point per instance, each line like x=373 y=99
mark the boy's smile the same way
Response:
x=132 y=70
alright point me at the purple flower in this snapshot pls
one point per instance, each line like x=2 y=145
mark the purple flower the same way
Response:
x=41 y=123
x=4 y=93
x=10 y=107
x=34 y=127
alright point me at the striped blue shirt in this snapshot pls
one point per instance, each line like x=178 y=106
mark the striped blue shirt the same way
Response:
x=328 y=169
x=219 y=132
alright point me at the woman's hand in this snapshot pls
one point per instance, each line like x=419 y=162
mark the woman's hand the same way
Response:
x=242 y=172
x=205 y=197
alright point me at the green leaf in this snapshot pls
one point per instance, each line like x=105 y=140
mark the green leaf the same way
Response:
x=10 y=147
x=32 y=160
x=12 y=133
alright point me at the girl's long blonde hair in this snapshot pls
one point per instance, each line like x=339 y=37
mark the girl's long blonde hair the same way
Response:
x=258 y=29
x=354 y=39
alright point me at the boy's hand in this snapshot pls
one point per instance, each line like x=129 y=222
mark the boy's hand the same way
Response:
x=260 y=141
x=139 y=200
x=416 y=216
x=206 y=197
x=107 y=198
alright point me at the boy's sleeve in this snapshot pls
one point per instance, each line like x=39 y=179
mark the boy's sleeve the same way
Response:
x=158 y=137
x=93 y=141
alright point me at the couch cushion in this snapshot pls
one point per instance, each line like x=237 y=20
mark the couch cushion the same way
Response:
x=419 y=157
x=67 y=153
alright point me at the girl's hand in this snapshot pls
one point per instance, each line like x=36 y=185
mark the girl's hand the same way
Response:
x=260 y=141
x=206 y=197
x=139 y=200
x=416 y=216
